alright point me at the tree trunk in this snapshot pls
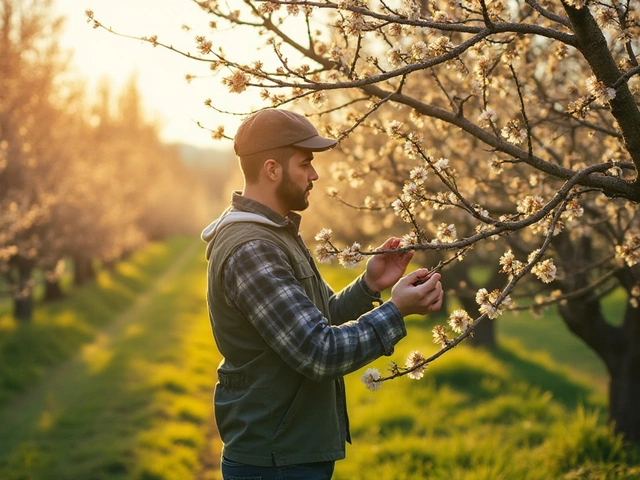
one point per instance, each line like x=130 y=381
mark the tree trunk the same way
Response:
x=624 y=394
x=82 y=270
x=624 y=385
x=23 y=298
x=52 y=291
x=619 y=347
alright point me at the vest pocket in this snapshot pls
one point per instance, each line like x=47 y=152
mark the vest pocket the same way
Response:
x=311 y=422
x=240 y=411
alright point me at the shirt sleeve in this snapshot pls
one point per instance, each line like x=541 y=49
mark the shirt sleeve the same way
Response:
x=352 y=301
x=260 y=283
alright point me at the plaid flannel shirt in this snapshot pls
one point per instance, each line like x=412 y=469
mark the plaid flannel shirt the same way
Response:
x=260 y=283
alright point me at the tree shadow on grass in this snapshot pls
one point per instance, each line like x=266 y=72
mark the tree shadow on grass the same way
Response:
x=565 y=390
x=479 y=384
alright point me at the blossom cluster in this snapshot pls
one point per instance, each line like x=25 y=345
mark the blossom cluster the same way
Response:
x=350 y=256
x=489 y=305
x=599 y=90
x=324 y=251
x=629 y=251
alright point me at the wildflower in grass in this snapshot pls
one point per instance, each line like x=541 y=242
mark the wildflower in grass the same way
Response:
x=371 y=379
x=459 y=321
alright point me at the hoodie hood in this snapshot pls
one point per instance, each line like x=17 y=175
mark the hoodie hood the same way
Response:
x=230 y=216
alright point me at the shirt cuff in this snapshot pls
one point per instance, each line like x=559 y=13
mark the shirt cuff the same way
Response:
x=388 y=323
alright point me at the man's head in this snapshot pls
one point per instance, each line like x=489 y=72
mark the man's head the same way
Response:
x=275 y=134
x=276 y=148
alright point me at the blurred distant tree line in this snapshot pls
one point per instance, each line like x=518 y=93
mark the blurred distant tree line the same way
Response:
x=83 y=180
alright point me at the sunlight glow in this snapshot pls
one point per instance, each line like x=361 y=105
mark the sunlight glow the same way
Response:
x=167 y=96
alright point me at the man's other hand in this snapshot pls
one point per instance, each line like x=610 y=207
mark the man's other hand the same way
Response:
x=384 y=270
x=411 y=296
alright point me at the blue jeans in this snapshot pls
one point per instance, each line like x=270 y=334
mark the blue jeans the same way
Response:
x=308 y=471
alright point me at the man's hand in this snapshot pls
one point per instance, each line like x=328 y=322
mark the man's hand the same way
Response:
x=412 y=296
x=386 y=269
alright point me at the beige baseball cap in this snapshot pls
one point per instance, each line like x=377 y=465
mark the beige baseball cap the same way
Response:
x=272 y=128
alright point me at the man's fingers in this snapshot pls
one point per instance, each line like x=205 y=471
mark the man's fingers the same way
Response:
x=390 y=244
x=418 y=277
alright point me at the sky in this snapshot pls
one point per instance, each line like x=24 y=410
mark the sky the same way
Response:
x=167 y=96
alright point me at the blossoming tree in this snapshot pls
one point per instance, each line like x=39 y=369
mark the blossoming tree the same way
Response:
x=506 y=131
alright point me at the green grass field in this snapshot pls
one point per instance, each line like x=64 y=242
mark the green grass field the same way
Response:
x=116 y=383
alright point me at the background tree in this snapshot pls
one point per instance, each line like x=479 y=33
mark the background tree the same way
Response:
x=83 y=181
x=513 y=127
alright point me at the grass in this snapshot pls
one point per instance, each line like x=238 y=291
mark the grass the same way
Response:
x=124 y=392
x=535 y=408
x=135 y=402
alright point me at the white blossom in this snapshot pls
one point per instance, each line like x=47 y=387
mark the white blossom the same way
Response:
x=441 y=164
x=446 y=233
x=394 y=56
x=545 y=271
x=440 y=335
x=323 y=254
x=513 y=133
x=487 y=117
x=324 y=235
x=599 y=90
x=459 y=321
x=418 y=175
x=414 y=359
x=350 y=256
x=371 y=379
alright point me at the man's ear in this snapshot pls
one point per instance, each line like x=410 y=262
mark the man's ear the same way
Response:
x=272 y=169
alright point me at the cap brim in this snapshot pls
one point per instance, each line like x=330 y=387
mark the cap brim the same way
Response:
x=316 y=144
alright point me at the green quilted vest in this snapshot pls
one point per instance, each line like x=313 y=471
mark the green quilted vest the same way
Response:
x=266 y=412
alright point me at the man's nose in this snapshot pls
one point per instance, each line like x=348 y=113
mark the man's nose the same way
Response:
x=314 y=175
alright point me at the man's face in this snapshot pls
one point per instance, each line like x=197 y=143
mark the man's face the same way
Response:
x=297 y=181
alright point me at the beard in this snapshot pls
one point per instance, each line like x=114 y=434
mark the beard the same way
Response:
x=291 y=195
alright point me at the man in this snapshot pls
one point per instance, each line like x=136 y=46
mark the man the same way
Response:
x=286 y=338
